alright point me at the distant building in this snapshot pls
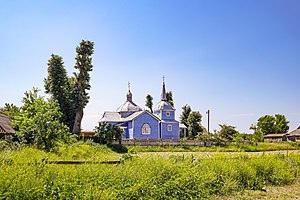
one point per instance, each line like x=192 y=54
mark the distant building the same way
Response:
x=142 y=124
x=291 y=136
x=5 y=126
x=279 y=137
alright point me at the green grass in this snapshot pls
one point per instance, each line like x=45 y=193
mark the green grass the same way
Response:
x=25 y=176
x=231 y=148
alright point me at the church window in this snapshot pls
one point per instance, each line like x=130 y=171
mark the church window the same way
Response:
x=168 y=113
x=169 y=127
x=146 y=129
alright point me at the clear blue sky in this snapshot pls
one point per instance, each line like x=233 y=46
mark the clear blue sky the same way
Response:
x=240 y=59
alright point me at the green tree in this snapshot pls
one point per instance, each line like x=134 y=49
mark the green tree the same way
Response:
x=266 y=124
x=269 y=124
x=258 y=135
x=186 y=110
x=149 y=102
x=39 y=122
x=194 y=121
x=169 y=96
x=107 y=133
x=227 y=132
x=82 y=81
x=58 y=85
x=281 y=124
x=11 y=110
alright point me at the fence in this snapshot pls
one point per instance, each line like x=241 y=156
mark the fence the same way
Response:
x=160 y=142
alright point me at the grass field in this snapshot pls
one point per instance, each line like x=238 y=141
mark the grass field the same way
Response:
x=260 y=147
x=25 y=174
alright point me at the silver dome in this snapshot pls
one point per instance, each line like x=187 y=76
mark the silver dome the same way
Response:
x=129 y=106
x=163 y=105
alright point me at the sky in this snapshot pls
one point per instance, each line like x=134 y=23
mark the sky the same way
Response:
x=238 y=59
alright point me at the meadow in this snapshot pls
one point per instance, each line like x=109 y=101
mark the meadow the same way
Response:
x=260 y=147
x=26 y=174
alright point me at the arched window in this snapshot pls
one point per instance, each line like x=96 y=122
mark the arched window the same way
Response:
x=146 y=129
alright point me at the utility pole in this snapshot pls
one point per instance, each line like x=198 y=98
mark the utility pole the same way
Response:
x=208 y=113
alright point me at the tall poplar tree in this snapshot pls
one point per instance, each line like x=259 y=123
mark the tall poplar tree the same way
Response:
x=82 y=80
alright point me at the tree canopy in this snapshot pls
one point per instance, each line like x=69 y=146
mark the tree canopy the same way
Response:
x=186 y=110
x=106 y=133
x=227 y=132
x=11 y=110
x=149 y=102
x=59 y=86
x=194 y=121
x=82 y=81
x=71 y=93
x=169 y=96
x=269 y=124
x=39 y=122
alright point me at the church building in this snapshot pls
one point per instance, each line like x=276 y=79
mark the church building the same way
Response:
x=142 y=124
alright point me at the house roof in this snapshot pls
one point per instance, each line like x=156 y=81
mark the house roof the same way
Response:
x=275 y=135
x=295 y=132
x=5 y=124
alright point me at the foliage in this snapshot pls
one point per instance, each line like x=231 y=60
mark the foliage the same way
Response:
x=269 y=124
x=218 y=146
x=71 y=93
x=194 y=121
x=281 y=124
x=186 y=110
x=227 y=132
x=258 y=135
x=11 y=110
x=25 y=174
x=58 y=85
x=39 y=122
x=149 y=102
x=169 y=96
x=82 y=80
x=106 y=133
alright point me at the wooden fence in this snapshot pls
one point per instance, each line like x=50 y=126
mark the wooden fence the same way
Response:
x=160 y=142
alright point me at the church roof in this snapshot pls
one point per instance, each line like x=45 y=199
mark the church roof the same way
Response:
x=163 y=104
x=110 y=117
x=129 y=105
x=116 y=117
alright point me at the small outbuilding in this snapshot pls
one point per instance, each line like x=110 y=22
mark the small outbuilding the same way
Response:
x=5 y=125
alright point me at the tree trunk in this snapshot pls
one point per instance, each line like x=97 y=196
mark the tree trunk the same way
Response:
x=77 y=123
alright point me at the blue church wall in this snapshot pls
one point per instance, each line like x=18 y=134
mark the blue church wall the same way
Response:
x=165 y=116
x=130 y=130
x=140 y=121
x=174 y=134
x=157 y=113
x=126 y=133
